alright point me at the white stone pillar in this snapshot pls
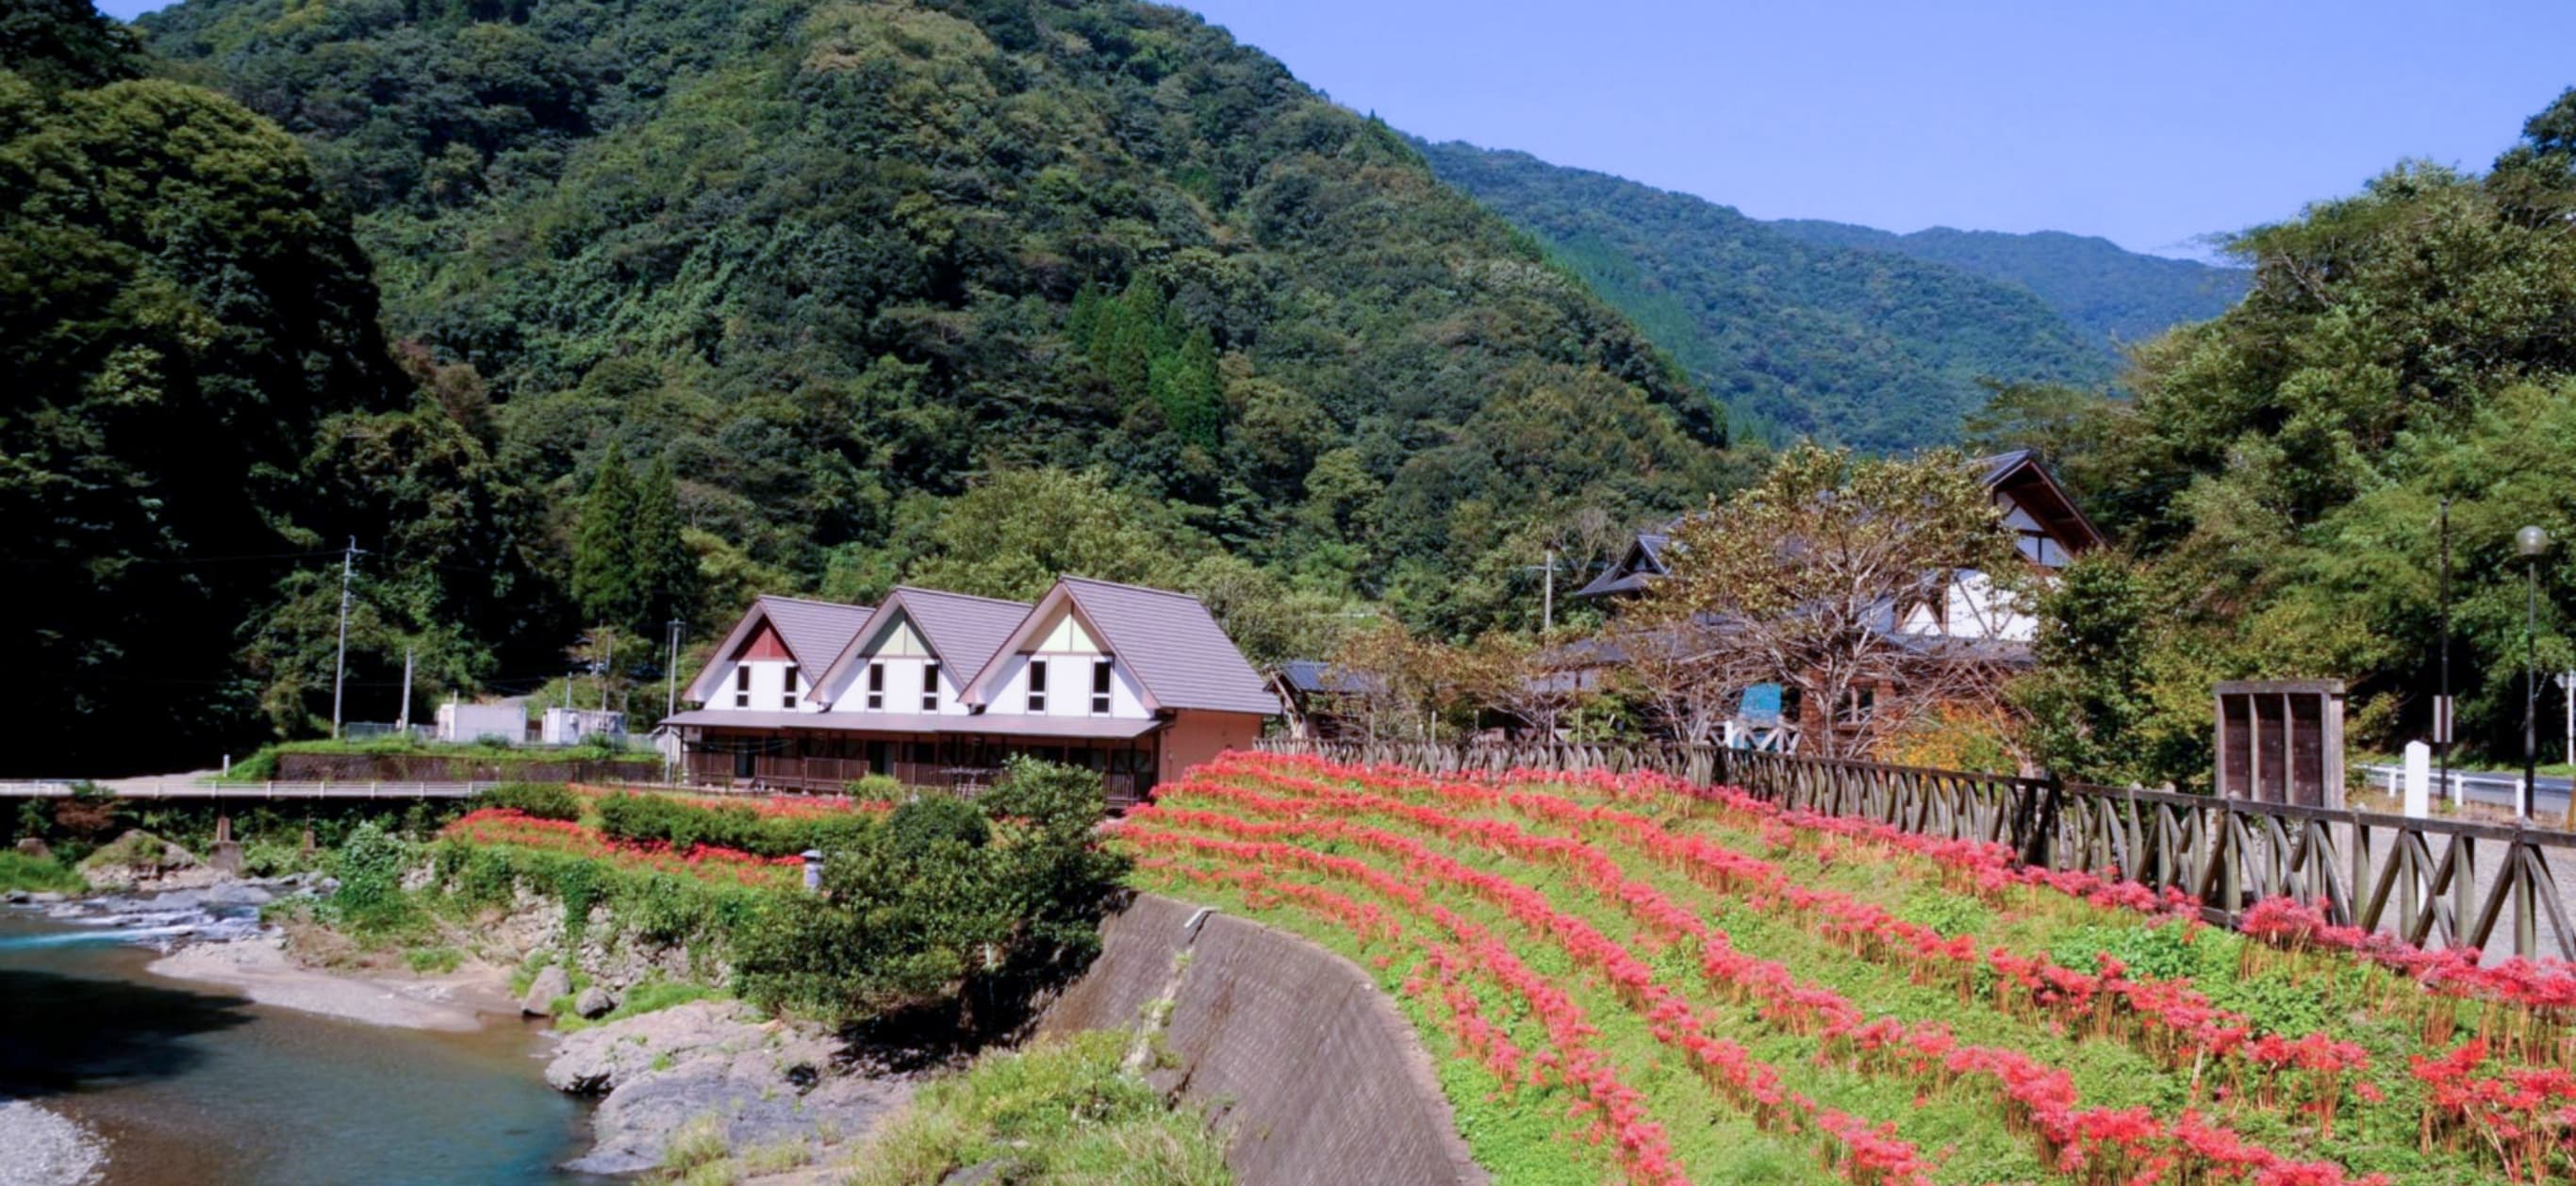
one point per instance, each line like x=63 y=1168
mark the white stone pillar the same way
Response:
x=2419 y=779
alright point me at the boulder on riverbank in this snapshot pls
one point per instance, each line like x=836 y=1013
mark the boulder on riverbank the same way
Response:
x=141 y=860
x=763 y=1081
x=551 y=982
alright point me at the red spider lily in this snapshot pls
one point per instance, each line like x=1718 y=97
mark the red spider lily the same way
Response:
x=497 y=825
x=2037 y=1098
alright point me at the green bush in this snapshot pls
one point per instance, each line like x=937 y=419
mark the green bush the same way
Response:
x=937 y=819
x=544 y=800
x=950 y=903
x=370 y=866
x=878 y=788
x=18 y=871
x=647 y=818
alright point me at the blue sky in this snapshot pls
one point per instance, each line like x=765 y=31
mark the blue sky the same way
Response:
x=2151 y=124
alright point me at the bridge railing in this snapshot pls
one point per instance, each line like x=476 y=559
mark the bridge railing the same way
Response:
x=186 y=789
x=2434 y=882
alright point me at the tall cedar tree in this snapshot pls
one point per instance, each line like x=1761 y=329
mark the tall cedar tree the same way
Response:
x=666 y=571
x=603 y=559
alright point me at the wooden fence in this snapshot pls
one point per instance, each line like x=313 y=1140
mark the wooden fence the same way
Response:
x=2434 y=882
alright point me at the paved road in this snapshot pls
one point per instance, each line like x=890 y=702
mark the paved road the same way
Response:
x=185 y=788
x=2549 y=792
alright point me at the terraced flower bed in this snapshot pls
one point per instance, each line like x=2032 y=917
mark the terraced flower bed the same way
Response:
x=493 y=825
x=1640 y=979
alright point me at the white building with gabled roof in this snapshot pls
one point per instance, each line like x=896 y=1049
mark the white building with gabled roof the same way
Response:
x=939 y=689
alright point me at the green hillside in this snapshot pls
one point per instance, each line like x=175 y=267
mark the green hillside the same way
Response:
x=833 y=258
x=201 y=408
x=1868 y=348
x=2115 y=296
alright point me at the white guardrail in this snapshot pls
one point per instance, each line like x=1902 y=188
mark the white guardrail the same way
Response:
x=63 y=788
x=2478 y=786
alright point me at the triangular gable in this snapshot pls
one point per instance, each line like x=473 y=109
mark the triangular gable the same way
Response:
x=954 y=628
x=764 y=643
x=2043 y=504
x=1167 y=642
x=817 y=631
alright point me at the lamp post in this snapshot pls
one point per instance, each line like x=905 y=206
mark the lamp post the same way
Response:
x=2531 y=542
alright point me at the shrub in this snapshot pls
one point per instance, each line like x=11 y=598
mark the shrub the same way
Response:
x=370 y=867
x=938 y=819
x=18 y=871
x=950 y=903
x=877 y=788
x=651 y=818
x=544 y=800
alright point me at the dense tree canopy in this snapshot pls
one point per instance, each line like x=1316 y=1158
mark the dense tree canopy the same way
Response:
x=1866 y=347
x=836 y=259
x=183 y=313
x=2284 y=466
x=2113 y=296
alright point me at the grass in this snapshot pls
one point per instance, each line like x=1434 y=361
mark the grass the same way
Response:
x=648 y=997
x=438 y=960
x=700 y=1155
x=262 y=765
x=18 y=871
x=1053 y=1112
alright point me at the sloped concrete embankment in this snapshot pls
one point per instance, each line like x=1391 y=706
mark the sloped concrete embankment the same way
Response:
x=1304 y=1064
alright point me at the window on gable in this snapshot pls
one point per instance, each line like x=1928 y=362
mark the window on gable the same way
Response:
x=742 y=685
x=1100 y=686
x=787 y=691
x=876 y=686
x=1037 y=685
x=929 y=687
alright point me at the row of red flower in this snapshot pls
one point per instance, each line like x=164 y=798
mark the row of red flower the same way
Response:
x=2169 y=1019
x=498 y=825
x=2036 y=1098
x=771 y=806
x=2547 y=984
x=1614 y=1110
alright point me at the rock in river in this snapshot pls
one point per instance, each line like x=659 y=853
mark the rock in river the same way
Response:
x=551 y=982
x=765 y=1081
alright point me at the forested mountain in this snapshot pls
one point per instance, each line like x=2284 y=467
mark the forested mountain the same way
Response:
x=2114 y=295
x=200 y=407
x=1873 y=349
x=2281 y=473
x=864 y=291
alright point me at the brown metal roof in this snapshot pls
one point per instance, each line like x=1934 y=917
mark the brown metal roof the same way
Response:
x=962 y=629
x=1173 y=645
x=814 y=631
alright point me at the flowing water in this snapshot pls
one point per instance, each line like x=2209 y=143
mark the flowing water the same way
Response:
x=191 y=1085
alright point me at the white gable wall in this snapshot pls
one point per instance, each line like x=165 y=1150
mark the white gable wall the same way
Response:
x=769 y=690
x=1069 y=650
x=907 y=659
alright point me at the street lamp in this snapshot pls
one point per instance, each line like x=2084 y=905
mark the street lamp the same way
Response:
x=2531 y=542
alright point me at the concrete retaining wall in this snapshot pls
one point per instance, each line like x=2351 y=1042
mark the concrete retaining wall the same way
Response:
x=1306 y=1066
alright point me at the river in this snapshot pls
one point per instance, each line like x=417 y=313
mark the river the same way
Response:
x=190 y=1085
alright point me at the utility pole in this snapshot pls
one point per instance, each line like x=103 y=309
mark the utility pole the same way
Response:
x=607 y=664
x=340 y=668
x=671 y=675
x=2442 y=702
x=403 y=722
x=1547 y=602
